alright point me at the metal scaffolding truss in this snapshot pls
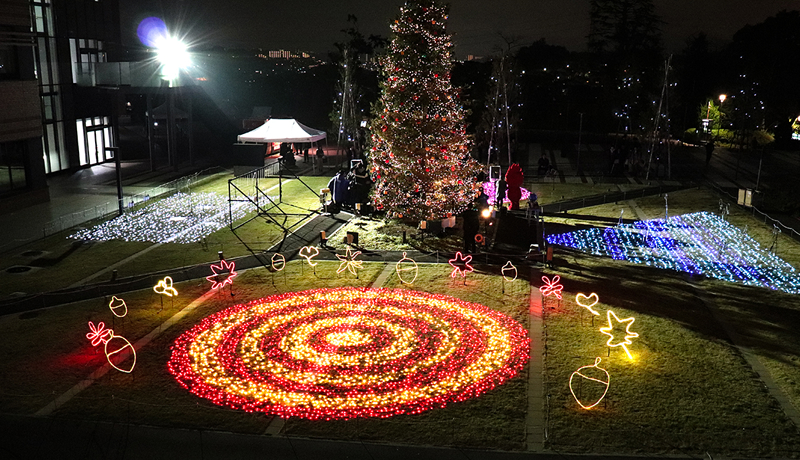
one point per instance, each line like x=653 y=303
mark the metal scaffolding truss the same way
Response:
x=254 y=187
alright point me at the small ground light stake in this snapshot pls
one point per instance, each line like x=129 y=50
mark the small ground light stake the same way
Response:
x=308 y=253
x=509 y=272
x=551 y=287
x=349 y=262
x=608 y=330
x=218 y=270
x=588 y=302
x=278 y=263
x=407 y=269
x=118 y=307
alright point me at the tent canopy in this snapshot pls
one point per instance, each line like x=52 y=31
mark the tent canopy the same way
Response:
x=282 y=130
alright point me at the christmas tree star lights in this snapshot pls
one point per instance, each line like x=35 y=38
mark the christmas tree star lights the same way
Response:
x=420 y=150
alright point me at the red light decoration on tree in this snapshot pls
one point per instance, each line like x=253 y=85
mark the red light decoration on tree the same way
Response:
x=420 y=148
x=223 y=267
x=348 y=352
x=460 y=264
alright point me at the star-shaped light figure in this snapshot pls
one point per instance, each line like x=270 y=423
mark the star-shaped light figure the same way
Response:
x=551 y=287
x=349 y=261
x=223 y=267
x=461 y=265
x=628 y=334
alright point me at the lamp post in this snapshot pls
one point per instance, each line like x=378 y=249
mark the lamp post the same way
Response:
x=722 y=98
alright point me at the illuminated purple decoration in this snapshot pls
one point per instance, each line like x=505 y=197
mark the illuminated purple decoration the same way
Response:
x=490 y=189
x=151 y=30
x=699 y=243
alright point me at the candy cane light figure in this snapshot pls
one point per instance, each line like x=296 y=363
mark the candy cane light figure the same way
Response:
x=115 y=346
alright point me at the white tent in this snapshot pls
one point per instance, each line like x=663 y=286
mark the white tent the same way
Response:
x=282 y=130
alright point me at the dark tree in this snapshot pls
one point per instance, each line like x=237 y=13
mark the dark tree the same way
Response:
x=766 y=61
x=625 y=35
x=357 y=88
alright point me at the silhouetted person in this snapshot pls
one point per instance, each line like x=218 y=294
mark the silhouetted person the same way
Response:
x=544 y=165
x=471 y=226
x=709 y=151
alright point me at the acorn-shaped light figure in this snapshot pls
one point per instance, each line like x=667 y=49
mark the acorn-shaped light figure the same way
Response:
x=118 y=307
x=407 y=269
x=119 y=352
x=278 y=262
x=596 y=380
x=509 y=272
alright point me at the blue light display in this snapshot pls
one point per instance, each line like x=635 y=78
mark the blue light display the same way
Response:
x=699 y=243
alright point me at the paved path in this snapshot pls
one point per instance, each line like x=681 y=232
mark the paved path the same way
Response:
x=751 y=357
x=535 y=420
x=83 y=384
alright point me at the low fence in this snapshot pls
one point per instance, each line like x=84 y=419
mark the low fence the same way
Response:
x=596 y=200
x=130 y=202
x=791 y=232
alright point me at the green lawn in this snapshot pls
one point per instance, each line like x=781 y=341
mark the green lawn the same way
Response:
x=687 y=391
x=68 y=261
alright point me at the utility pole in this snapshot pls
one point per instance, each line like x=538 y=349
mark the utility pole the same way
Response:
x=657 y=125
x=580 y=132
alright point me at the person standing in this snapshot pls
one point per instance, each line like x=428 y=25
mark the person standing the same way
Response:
x=471 y=228
x=318 y=160
x=709 y=151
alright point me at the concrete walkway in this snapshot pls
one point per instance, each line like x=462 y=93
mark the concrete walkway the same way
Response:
x=535 y=420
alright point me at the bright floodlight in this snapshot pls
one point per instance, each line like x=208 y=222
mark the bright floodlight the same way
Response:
x=173 y=56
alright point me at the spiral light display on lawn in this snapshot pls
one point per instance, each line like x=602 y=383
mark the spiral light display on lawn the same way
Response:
x=348 y=352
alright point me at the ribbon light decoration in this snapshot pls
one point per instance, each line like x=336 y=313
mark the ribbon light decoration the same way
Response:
x=551 y=287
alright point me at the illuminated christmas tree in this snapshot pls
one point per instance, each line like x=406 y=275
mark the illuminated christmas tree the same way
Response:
x=420 y=150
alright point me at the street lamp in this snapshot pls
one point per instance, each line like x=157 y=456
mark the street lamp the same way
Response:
x=722 y=98
x=173 y=55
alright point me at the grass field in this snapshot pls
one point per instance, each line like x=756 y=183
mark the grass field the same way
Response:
x=687 y=391
x=64 y=261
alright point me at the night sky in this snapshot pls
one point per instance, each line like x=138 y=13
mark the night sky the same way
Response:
x=315 y=25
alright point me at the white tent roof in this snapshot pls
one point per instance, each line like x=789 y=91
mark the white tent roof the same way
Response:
x=282 y=130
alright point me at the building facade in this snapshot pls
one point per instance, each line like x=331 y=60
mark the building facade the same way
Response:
x=22 y=175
